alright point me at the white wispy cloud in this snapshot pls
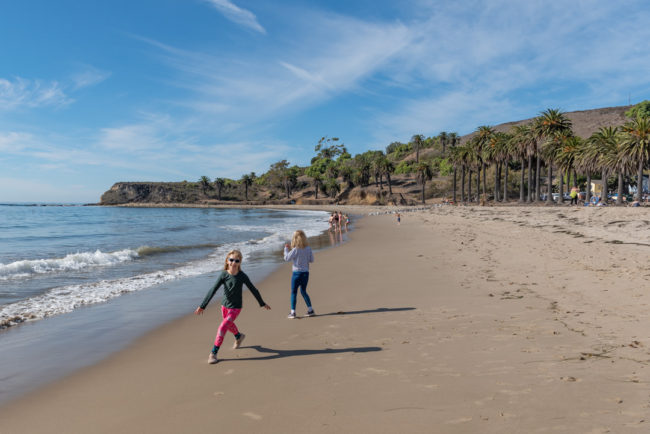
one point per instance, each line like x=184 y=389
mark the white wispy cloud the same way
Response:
x=247 y=88
x=237 y=15
x=498 y=61
x=89 y=76
x=22 y=92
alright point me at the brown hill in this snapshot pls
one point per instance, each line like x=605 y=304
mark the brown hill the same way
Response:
x=585 y=122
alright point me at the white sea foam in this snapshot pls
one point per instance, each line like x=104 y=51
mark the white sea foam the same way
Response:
x=67 y=298
x=73 y=261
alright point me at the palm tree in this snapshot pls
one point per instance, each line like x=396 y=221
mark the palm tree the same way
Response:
x=204 y=182
x=455 y=161
x=463 y=157
x=246 y=181
x=417 y=144
x=617 y=161
x=567 y=154
x=444 y=138
x=453 y=139
x=602 y=144
x=484 y=135
x=386 y=167
x=424 y=173
x=586 y=162
x=553 y=126
x=502 y=157
x=219 y=183
x=519 y=147
x=636 y=144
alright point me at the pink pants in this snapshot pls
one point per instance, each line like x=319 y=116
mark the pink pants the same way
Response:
x=227 y=325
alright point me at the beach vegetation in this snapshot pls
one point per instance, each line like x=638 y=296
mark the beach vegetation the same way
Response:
x=247 y=181
x=219 y=184
x=641 y=109
x=636 y=147
x=424 y=173
x=417 y=145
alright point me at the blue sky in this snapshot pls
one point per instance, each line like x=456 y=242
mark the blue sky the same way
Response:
x=92 y=92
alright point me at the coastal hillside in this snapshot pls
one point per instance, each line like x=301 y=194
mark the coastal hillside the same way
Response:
x=585 y=122
x=403 y=174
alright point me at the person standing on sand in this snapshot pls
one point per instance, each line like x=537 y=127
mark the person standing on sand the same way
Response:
x=399 y=218
x=301 y=255
x=233 y=280
x=574 y=195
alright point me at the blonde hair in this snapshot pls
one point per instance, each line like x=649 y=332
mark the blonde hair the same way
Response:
x=236 y=253
x=299 y=240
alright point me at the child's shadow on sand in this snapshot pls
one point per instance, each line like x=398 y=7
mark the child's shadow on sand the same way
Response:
x=278 y=354
x=378 y=310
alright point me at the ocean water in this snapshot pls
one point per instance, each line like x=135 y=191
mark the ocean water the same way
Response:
x=80 y=282
x=55 y=259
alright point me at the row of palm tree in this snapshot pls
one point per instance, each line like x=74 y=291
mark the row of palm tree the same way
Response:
x=548 y=141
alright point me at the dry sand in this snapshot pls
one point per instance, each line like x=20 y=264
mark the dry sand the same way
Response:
x=460 y=320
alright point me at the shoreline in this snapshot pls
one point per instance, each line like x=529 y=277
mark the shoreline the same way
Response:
x=469 y=320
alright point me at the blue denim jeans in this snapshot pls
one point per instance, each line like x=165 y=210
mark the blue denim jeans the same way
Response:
x=299 y=279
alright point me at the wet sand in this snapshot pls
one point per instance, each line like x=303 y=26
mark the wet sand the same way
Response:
x=461 y=319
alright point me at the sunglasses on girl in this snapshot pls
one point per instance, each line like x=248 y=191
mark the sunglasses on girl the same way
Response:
x=236 y=261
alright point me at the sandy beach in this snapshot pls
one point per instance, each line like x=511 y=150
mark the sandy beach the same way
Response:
x=458 y=320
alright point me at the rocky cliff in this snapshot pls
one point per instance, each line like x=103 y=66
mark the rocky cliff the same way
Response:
x=151 y=192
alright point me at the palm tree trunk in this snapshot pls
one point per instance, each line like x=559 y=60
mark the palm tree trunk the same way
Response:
x=549 y=184
x=639 y=181
x=619 y=195
x=462 y=184
x=424 y=183
x=454 y=195
x=561 y=186
x=575 y=178
x=530 y=177
x=496 y=183
x=478 y=184
x=603 y=180
x=522 y=194
x=537 y=177
x=484 y=183
x=505 y=183
x=390 y=189
x=588 y=195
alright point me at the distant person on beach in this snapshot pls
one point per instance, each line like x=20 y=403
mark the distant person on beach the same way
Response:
x=300 y=253
x=332 y=221
x=399 y=218
x=346 y=221
x=574 y=195
x=232 y=279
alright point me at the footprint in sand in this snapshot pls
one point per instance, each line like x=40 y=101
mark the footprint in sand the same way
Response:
x=459 y=420
x=570 y=379
x=252 y=415
x=375 y=371
x=229 y=372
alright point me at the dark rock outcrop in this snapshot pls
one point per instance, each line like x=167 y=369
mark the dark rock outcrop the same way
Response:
x=150 y=192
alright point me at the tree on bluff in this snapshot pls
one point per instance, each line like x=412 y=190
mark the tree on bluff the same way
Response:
x=641 y=109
